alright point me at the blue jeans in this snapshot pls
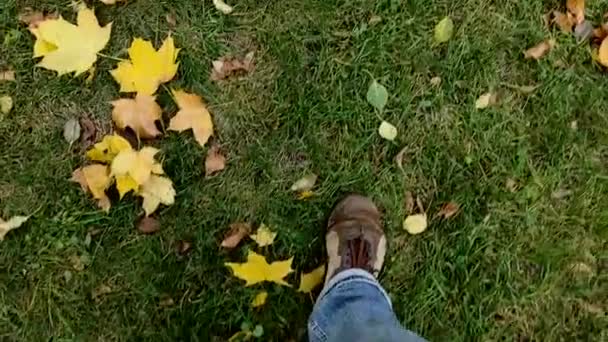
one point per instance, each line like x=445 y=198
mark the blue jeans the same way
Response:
x=354 y=307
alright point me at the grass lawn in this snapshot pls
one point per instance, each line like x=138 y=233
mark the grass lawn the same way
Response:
x=518 y=263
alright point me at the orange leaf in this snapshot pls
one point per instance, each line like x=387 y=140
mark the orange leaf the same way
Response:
x=603 y=53
x=540 y=50
x=577 y=8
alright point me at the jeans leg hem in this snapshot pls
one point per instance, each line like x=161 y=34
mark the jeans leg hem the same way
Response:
x=358 y=275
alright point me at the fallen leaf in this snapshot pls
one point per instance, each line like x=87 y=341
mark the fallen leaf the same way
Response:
x=526 y=89
x=183 y=247
x=7 y=75
x=561 y=194
x=305 y=195
x=155 y=191
x=581 y=268
x=6 y=104
x=264 y=236
x=583 y=31
x=539 y=50
x=109 y=147
x=602 y=56
x=237 y=232
x=387 y=131
x=226 y=67
x=139 y=114
x=486 y=100
x=305 y=183
x=13 y=223
x=577 y=8
x=192 y=115
x=166 y=301
x=171 y=20
x=260 y=299
x=66 y=47
x=33 y=18
x=435 y=81
x=415 y=224
x=132 y=169
x=77 y=263
x=448 y=210
x=377 y=95
x=89 y=132
x=215 y=161
x=147 y=68
x=409 y=202
x=110 y=2
x=444 y=30
x=308 y=281
x=399 y=158
x=71 y=130
x=222 y=6
x=565 y=22
x=101 y=290
x=148 y=225
x=94 y=179
x=374 y=19
x=257 y=270
x=511 y=185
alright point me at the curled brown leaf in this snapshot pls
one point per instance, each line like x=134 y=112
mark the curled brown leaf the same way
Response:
x=539 y=50
x=237 y=232
x=226 y=66
x=215 y=161
x=148 y=225
x=448 y=210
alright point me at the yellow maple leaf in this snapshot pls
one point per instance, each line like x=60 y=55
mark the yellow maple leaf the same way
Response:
x=95 y=179
x=66 y=47
x=13 y=223
x=257 y=270
x=155 y=191
x=308 y=281
x=192 y=115
x=147 y=69
x=134 y=168
x=260 y=299
x=139 y=114
x=264 y=236
x=108 y=148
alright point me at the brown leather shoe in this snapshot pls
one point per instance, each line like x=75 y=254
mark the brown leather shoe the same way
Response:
x=355 y=238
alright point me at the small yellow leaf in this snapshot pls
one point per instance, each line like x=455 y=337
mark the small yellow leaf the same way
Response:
x=139 y=114
x=444 y=30
x=66 y=47
x=13 y=223
x=602 y=55
x=257 y=270
x=264 y=236
x=155 y=191
x=415 y=224
x=305 y=195
x=486 y=100
x=260 y=299
x=308 y=281
x=6 y=104
x=192 y=115
x=108 y=148
x=222 y=6
x=147 y=68
x=387 y=131
x=95 y=179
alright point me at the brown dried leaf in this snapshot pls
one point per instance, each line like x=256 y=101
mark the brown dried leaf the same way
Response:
x=88 y=137
x=237 y=232
x=539 y=50
x=511 y=185
x=409 y=202
x=577 y=9
x=33 y=18
x=148 y=225
x=215 y=161
x=226 y=67
x=171 y=20
x=565 y=21
x=101 y=290
x=448 y=210
x=7 y=75
x=399 y=158
x=183 y=247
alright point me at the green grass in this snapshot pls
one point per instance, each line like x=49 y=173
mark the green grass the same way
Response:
x=501 y=270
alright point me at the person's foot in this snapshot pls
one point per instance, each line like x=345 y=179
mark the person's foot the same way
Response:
x=355 y=238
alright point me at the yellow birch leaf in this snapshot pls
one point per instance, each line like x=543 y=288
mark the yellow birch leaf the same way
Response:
x=13 y=223
x=108 y=148
x=308 y=281
x=147 y=68
x=415 y=224
x=264 y=236
x=65 y=47
x=192 y=115
x=157 y=190
x=257 y=270
x=139 y=114
x=6 y=104
x=222 y=6
x=260 y=299
x=387 y=131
